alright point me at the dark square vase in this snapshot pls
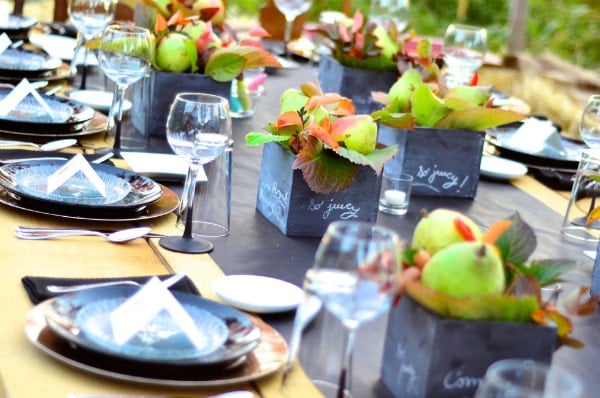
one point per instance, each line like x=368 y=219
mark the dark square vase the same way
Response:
x=287 y=202
x=442 y=162
x=154 y=94
x=429 y=356
x=354 y=83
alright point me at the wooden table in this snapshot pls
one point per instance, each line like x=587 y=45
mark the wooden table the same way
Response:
x=254 y=247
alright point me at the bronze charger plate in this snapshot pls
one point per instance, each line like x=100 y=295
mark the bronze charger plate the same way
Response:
x=264 y=360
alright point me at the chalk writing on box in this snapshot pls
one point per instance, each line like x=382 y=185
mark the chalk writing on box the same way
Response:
x=439 y=180
x=347 y=211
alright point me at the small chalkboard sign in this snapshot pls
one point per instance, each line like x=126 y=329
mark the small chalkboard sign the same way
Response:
x=287 y=202
x=442 y=162
x=596 y=273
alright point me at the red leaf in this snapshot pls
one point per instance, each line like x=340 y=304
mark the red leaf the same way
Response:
x=322 y=134
x=258 y=31
x=463 y=229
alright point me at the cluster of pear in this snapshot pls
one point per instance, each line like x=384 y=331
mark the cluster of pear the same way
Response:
x=454 y=257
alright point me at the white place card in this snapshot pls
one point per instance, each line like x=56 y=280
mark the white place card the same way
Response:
x=536 y=136
x=5 y=41
x=76 y=164
x=138 y=310
x=18 y=94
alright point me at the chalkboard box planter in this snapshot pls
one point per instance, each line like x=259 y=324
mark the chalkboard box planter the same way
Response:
x=154 y=94
x=426 y=355
x=442 y=162
x=287 y=202
x=355 y=83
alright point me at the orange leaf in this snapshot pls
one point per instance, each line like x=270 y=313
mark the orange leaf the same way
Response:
x=593 y=216
x=290 y=118
x=463 y=230
x=258 y=31
x=322 y=134
x=160 y=24
x=322 y=100
x=496 y=230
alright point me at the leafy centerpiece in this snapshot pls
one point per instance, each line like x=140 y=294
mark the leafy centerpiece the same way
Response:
x=328 y=139
x=457 y=271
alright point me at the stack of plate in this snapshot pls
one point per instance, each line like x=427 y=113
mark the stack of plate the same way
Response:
x=16 y=64
x=17 y=26
x=128 y=196
x=75 y=329
x=68 y=117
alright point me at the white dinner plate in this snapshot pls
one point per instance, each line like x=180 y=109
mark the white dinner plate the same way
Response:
x=62 y=47
x=495 y=167
x=98 y=99
x=259 y=294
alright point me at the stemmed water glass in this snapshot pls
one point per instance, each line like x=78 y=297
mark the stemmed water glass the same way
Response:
x=90 y=17
x=589 y=124
x=124 y=56
x=291 y=9
x=397 y=11
x=199 y=130
x=464 y=49
x=354 y=276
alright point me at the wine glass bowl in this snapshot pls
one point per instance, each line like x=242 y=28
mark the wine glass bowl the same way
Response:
x=385 y=11
x=354 y=275
x=90 y=18
x=464 y=50
x=291 y=9
x=589 y=125
x=124 y=55
x=199 y=130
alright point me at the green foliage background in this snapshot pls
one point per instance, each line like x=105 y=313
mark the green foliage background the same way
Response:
x=567 y=28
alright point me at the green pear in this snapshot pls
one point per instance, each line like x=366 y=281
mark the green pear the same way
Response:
x=174 y=53
x=362 y=137
x=194 y=29
x=465 y=269
x=469 y=95
x=438 y=229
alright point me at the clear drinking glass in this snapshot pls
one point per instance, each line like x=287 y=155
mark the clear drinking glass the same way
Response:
x=384 y=11
x=354 y=276
x=124 y=56
x=90 y=17
x=291 y=9
x=199 y=130
x=522 y=378
x=589 y=125
x=464 y=49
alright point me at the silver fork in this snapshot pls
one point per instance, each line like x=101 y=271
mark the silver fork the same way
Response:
x=73 y=288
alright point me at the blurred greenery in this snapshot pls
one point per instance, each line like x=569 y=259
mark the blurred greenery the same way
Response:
x=569 y=29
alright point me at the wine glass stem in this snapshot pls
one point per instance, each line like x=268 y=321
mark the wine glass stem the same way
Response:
x=287 y=36
x=84 y=69
x=345 y=374
x=120 y=99
x=190 y=189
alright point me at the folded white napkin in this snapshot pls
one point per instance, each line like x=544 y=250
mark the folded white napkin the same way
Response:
x=159 y=165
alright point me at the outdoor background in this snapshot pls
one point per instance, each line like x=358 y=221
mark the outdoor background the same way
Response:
x=569 y=29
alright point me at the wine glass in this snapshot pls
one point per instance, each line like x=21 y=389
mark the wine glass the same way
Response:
x=589 y=124
x=464 y=49
x=396 y=11
x=199 y=130
x=353 y=274
x=124 y=56
x=291 y=9
x=523 y=378
x=90 y=17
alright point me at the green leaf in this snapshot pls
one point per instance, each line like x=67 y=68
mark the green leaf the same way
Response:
x=548 y=271
x=255 y=138
x=518 y=242
x=224 y=66
x=323 y=170
x=427 y=108
x=477 y=119
x=497 y=307
x=292 y=99
x=396 y=120
x=375 y=159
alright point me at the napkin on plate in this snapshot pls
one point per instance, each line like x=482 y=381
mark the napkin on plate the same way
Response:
x=7 y=155
x=37 y=292
x=159 y=166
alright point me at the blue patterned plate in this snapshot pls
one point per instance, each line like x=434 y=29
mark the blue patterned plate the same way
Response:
x=78 y=189
x=14 y=60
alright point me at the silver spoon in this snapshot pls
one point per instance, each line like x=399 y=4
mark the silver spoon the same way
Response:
x=47 y=147
x=121 y=236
